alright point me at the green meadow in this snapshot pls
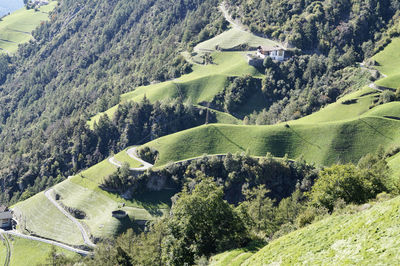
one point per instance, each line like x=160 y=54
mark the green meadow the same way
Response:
x=123 y=157
x=388 y=64
x=201 y=85
x=16 y=28
x=42 y=218
x=26 y=252
x=369 y=237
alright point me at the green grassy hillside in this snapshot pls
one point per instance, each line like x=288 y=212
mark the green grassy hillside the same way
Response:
x=3 y=253
x=388 y=64
x=369 y=237
x=123 y=157
x=44 y=219
x=26 y=252
x=322 y=143
x=82 y=192
x=16 y=28
x=201 y=85
x=360 y=101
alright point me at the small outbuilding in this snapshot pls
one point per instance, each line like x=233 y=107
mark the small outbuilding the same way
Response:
x=5 y=217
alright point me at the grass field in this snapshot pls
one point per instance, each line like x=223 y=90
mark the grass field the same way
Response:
x=200 y=85
x=233 y=38
x=389 y=64
x=44 y=219
x=82 y=192
x=322 y=143
x=369 y=237
x=16 y=28
x=123 y=157
x=92 y=178
x=3 y=252
x=26 y=252
x=338 y=111
x=232 y=258
x=98 y=208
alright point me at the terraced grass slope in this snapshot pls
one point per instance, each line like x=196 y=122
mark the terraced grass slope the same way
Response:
x=348 y=107
x=388 y=64
x=369 y=237
x=323 y=143
x=200 y=85
x=123 y=157
x=42 y=218
x=16 y=28
x=82 y=193
x=26 y=252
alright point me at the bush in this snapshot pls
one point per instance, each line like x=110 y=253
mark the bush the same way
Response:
x=202 y=223
x=350 y=183
x=387 y=96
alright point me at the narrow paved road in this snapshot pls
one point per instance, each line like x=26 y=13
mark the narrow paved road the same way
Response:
x=51 y=242
x=85 y=236
x=235 y=24
x=132 y=152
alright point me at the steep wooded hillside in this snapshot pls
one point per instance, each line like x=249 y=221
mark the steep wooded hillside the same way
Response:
x=351 y=26
x=79 y=63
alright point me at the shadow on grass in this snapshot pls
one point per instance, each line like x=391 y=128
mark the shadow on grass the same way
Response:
x=128 y=223
x=228 y=139
x=303 y=139
x=151 y=201
x=375 y=129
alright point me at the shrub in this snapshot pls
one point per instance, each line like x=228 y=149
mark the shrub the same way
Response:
x=350 y=183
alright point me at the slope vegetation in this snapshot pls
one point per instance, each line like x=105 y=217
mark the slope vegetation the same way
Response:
x=369 y=237
x=388 y=64
x=341 y=132
x=26 y=252
x=233 y=38
x=16 y=28
x=81 y=195
x=201 y=85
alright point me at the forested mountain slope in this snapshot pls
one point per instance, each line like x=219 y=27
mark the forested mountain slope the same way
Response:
x=351 y=26
x=91 y=52
x=79 y=63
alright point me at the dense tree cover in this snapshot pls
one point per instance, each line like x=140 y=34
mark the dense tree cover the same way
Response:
x=353 y=184
x=351 y=26
x=293 y=88
x=79 y=63
x=133 y=123
x=304 y=84
x=201 y=223
x=236 y=173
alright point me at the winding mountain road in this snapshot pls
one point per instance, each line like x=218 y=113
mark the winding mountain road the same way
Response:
x=228 y=17
x=51 y=242
x=85 y=235
x=132 y=152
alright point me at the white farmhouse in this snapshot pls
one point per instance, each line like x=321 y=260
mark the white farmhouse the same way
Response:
x=276 y=53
